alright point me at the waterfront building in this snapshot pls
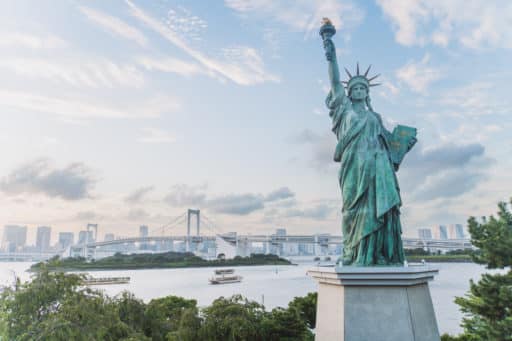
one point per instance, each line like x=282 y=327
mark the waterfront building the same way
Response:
x=143 y=231
x=440 y=232
x=14 y=237
x=109 y=237
x=66 y=239
x=85 y=237
x=455 y=231
x=43 y=236
x=424 y=233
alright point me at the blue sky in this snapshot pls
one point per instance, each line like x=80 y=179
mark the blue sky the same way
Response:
x=128 y=112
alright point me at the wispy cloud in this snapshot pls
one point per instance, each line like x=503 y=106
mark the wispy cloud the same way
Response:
x=155 y=135
x=92 y=73
x=114 y=25
x=247 y=72
x=473 y=24
x=418 y=75
x=31 y=41
x=169 y=64
x=80 y=108
x=137 y=195
x=302 y=15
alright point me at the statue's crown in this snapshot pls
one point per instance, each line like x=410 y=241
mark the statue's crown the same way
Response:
x=360 y=78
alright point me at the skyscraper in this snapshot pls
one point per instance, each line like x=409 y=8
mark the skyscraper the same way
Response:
x=440 y=232
x=456 y=231
x=43 y=236
x=143 y=231
x=66 y=239
x=109 y=237
x=425 y=233
x=85 y=237
x=14 y=237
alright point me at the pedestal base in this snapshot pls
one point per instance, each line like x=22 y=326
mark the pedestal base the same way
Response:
x=375 y=303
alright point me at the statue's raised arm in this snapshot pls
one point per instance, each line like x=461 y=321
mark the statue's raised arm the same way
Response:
x=326 y=32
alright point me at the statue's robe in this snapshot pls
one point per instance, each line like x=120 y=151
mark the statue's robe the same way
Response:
x=369 y=187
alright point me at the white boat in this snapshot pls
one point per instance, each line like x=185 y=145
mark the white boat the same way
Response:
x=105 y=280
x=225 y=276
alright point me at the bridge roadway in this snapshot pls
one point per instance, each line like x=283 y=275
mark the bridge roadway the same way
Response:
x=448 y=244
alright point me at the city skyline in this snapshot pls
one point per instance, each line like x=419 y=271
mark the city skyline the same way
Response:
x=128 y=113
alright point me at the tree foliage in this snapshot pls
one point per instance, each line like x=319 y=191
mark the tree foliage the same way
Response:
x=487 y=307
x=56 y=306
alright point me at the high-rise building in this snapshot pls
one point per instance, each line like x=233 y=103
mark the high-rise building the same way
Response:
x=109 y=237
x=281 y=232
x=14 y=237
x=85 y=237
x=43 y=236
x=440 y=232
x=424 y=233
x=143 y=231
x=66 y=239
x=455 y=231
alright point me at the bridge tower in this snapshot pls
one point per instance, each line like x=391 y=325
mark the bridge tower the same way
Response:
x=197 y=214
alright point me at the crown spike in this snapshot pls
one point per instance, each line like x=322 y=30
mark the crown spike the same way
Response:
x=357 y=73
x=348 y=73
x=368 y=70
x=376 y=84
x=369 y=80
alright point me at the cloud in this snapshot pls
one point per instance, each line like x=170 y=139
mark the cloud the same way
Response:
x=90 y=73
x=154 y=135
x=279 y=194
x=31 y=41
x=73 y=182
x=87 y=216
x=232 y=204
x=248 y=70
x=137 y=214
x=237 y=204
x=114 y=25
x=473 y=24
x=418 y=75
x=171 y=65
x=137 y=195
x=317 y=212
x=185 y=195
x=78 y=108
x=445 y=171
x=302 y=15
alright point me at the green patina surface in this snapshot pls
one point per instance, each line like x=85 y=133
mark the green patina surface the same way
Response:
x=369 y=155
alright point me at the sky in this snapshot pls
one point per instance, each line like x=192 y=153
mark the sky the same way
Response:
x=124 y=113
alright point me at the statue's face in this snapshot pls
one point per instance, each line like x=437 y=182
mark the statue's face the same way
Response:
x=358 y=92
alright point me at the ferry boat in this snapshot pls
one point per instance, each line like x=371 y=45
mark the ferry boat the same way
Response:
x=225 y=276
x=106 y=280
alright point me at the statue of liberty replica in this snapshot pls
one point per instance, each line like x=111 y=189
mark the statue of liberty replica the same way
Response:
x=377 y=297
x=369 y=155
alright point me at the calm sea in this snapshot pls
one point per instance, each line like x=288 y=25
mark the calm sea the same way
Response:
x=271 y=285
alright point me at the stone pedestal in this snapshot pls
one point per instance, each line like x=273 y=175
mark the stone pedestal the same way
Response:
x=375 y=303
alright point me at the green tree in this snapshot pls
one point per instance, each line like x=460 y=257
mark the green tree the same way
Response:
x=163 y=316
x=233 y=319
x=285 y=325
x=189 y=328
x=487 y=307
x=306 y=306
x=54 y=306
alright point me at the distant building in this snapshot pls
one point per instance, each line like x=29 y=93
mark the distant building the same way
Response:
x=66 y=239
x=14 y=237
x=425 y=233
x=43 y=236
x=143 y=231
x=281 y=232
x=85 y=237
x=109 y=237
x=440 y=232
x=456 y=231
